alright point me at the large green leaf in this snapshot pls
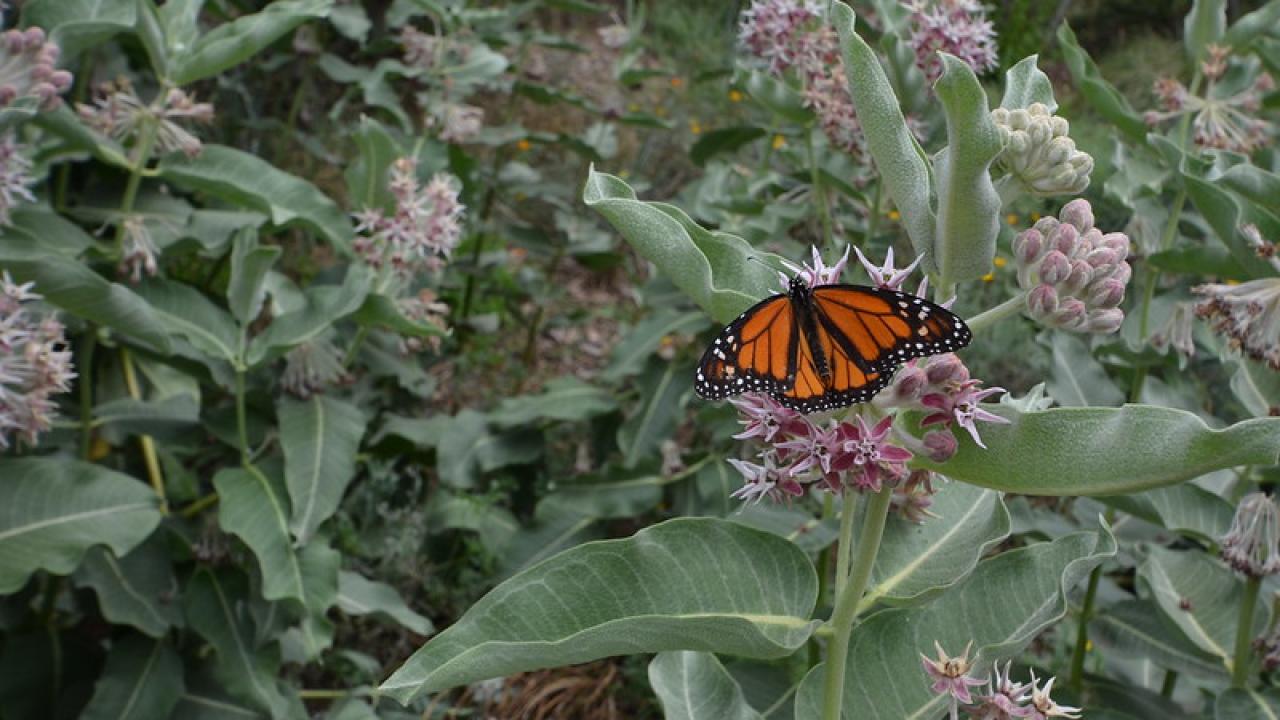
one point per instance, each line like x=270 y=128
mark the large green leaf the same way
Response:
x=466 y=447
x=917 y=561
x=253 y=506
x=79 y=24
x=358 y=595
x=187 y=314
x=566 y=399
x=325 y=305
x=695 y=686
x=1200 y=596
x=964 y=243
x=1203 y=26
x=1182 y=508
x=320 y=437
x=249 y=181
x=713 y=268
x=142 y=681
x=366 y=176
x=1245 y=704
x=137 y=589
x=1251 y=25
x=1077 y=378
x=1001 y=608
x=72 y=286
x=215 y=609
x=629 y=356
x=1102 y=451
x=654 y=418
x=53 y=510
x=1101 y=94
x=686 y=584
x=1136 y=628
x=250 y=264
x=232 y=43
x=899 y=159
x=1225 y=214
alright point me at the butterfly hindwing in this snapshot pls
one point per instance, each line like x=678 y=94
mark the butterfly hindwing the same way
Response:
x=754 y=353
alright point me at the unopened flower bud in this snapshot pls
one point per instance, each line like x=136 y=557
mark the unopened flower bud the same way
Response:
x=1027 y=246
x=1078 y=280
x=1071 y=314
x=1065 y=239
x=940 y=445
x=909 y=383
x=1055 y=267
x=1042 y=301
x=1105 y=321
x=1108 y=293
x=1100 y=257
x=1077 y=213
x=1250 y=546
x=944 y=368
x=1038 y=152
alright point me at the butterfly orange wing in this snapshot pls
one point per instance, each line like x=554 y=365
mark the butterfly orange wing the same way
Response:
x=755 y=353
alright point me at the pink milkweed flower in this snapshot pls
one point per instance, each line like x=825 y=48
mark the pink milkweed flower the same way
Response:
x=817 y=274
x=765 y=418
x=950 y=676
x=887 y=276
x=863 y=452
x=764 y=481
x=814 y=450
x=962 y=407
x=1004 y=699
x=1043 y=707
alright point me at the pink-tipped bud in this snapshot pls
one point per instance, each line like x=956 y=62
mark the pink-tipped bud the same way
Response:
x=1101 y=256
x=1027 y=246
x=1055 y=267
x=7 y=94
x=1077 y=213
x=14 y=42
x=41 y=73
x=62 y=80
x=1065 y=239
x=1108 y=293
x=1105 y=322
x=1071 y=314
x=909 y=383
x=1119 y=242
x=940 y=445
x=1042 y=301
x=1122 y=271
x=1081 y=274
x=944 y=368
x=33 y=37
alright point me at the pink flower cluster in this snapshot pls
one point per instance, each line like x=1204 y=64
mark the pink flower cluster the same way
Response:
x=941 y=386
x=120 y=114
x=15 y=177
x=29 y=68
x=1003 y=699
x=786 y=35
x=422 y=231
x=1076 y=275
x=1218 y=120
x=35 y=364
x=957 y=27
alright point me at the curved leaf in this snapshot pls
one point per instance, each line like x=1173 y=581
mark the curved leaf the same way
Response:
x=900 y=161
x=254 y=183
x=1001 y=608
x=52 y=511
x=920 y=560
x=232 y=43
x=79 y=24
x=358 y=595
x=186 y=313
x=136 y=589
x=254 y=508
x=1101 y=94
x=1238 y=704
x=686 y=584
x=320 y=437
x=325 y=305
x=712 y=268
x=1243 y=31
x=654 y=417
x=695 y=686
x=1135 y=628
x=1101 y=451
x=1182 y=508
x=1204 y=25
x=142 y=681
x=964 y=243
x=566 y=399
x=1025 y=84
x=722 y=140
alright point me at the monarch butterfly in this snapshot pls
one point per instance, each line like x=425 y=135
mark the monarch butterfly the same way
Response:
x=820 y=348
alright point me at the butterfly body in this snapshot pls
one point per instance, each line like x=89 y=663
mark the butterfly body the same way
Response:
x=821 y=348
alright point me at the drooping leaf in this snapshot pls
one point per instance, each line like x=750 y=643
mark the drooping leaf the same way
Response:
x=232 y=43
x=686 y=584
x=466 y=446
x=712 y=268
x=1078 y=379
x=187 y=314
x=358 y=595
x=79 y=24
x=251 y=182
x=723 y=140
x=141 y=416
x=1102 y=451
x=917 y=561
x=250 y=263
x=883 y=678
x=366 y=176
x=320 y=437
x=695 y=686
x=654 y=418
x=325 y=305
x=52 y=511
x=964 y=243
x=898 y=157
x=1203 y=25
x=1136 y=628
x=565 y=399
x=629 y=356
x=1101 y=94
x=254 y=507
x=1182 y=508
x=1252 y=25
x=142 y=681
x=1247 y=704
x=137 y=589
x=1225 y=214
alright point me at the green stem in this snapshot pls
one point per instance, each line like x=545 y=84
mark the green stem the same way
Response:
x=86 y=391
x=1243 y=660
x=990 y=317
x=819 y=193
x=138 y=163
x=1170 y=682
x=847 y=603
x=242 y=430
x=847 y=510
x=1150 y=283
x=148 y=445
x=1082 y=630
x=199 y=506
x=354 y=348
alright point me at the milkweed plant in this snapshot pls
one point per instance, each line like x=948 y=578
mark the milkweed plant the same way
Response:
x=250 y=261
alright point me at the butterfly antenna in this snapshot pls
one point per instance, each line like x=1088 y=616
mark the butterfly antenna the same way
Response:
x=782 y=269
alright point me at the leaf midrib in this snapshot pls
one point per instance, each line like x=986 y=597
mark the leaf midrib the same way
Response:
x=62 y=519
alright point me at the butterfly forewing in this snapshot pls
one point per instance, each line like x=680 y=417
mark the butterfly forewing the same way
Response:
x=863 y=334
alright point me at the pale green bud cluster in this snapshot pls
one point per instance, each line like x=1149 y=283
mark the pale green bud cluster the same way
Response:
x=1038 y=152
